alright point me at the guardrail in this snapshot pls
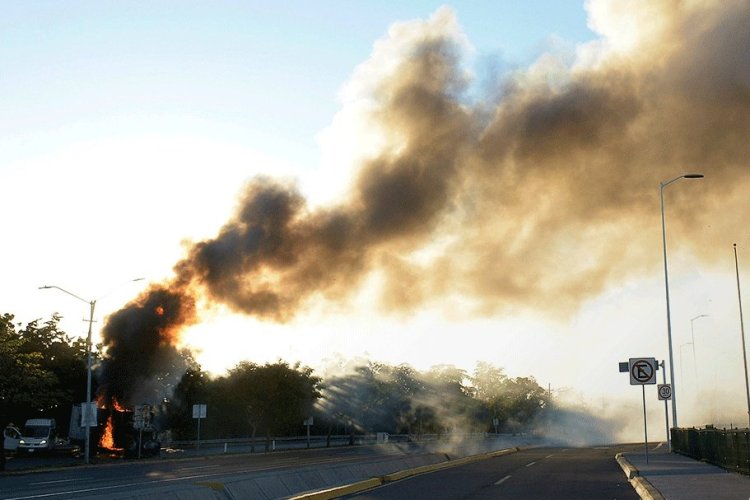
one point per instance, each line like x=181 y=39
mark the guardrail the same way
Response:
x=729 y=449
x=245 y=444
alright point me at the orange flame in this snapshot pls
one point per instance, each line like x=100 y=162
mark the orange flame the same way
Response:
x=159 y=310
x=108 y=440
x=117 y=406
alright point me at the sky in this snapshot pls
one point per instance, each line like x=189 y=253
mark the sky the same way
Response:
x=432 y=183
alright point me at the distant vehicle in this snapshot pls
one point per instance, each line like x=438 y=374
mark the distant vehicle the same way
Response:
x=39 y=434
x=11 y=436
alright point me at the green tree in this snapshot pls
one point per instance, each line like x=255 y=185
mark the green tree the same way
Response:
x=487 y=387
x=450 y=403
x=42 y=370
x=273 y=398
x=520 y=402
x=193 y=388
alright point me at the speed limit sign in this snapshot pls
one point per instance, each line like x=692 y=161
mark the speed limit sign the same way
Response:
x=665 y=391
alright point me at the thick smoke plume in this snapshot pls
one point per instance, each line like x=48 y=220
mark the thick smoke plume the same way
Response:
x=141 y=344
x=538 y=195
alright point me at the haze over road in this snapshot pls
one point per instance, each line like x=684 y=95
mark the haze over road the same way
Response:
x=558 y=473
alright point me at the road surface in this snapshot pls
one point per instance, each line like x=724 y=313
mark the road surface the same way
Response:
x=560 y=473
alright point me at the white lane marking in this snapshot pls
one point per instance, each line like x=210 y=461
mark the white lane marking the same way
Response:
x=660 y=445
x=501 y=481
x=198 y=467
x=61 y=481
x=73 y=493
x=550 y=456
x=529 y=465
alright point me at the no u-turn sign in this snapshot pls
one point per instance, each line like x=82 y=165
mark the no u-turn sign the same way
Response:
x=642 y=371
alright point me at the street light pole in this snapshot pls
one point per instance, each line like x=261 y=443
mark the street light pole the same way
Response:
x=84 y=413
x=662 y=185
x=742 y=330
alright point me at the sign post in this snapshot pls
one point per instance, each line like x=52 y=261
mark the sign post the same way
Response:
x=308 y=422
x=643 y=373
x=665 y=393
x=199 y=412
x=141 y=419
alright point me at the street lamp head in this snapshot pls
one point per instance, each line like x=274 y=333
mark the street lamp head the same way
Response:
x=693 y=176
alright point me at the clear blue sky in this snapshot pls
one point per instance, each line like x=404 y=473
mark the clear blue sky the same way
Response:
x=268 y=72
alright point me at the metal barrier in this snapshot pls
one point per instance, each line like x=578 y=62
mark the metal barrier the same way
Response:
x=244 y=445
x=729 y=449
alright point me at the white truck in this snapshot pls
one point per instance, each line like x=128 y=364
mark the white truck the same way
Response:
x=38 y=435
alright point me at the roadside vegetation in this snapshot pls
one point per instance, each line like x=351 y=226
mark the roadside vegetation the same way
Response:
x=43 y=373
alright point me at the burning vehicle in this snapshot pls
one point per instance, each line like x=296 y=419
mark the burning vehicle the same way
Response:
x=129 y=432
x=120 y=431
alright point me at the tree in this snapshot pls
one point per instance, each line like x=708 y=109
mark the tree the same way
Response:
x=520 y=402
x=275 y=398
x=449 y=399
x=42 y=370
x=487 y=387
x=193 y=388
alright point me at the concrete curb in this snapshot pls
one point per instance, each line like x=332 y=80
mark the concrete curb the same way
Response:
x=347 y=489
x=628 y=468
x=640 y=484
x=645 y=489
x=339 y=491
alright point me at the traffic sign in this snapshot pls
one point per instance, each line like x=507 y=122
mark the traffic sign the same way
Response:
x=665 y=391
x=642 y=371
x=199 y=411
x=141 y=417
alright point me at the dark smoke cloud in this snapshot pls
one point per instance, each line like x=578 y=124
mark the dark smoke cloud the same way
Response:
x=539 y=198
x=276 y=252
x=141 y=344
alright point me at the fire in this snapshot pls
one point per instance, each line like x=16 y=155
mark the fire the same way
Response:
x=159 y=310
x=108 y=440
x=117 y=406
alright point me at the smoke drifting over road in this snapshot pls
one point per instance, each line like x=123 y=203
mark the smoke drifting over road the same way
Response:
x=538 y=195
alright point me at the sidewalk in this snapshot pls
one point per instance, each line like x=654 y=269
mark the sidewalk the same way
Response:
x=679 y=477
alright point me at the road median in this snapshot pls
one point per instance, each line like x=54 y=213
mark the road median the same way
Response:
x=359 y=486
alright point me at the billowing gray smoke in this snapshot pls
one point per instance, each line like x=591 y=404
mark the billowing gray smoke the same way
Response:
x=539 y=196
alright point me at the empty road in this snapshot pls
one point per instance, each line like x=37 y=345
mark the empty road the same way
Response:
x=560 y=473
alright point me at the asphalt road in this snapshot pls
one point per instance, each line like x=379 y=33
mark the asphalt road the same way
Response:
x=126 y=479
x=560 y=473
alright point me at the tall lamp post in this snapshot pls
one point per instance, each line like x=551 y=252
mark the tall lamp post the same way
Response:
x=662 y=185
x=742 y=330
x=87 y=420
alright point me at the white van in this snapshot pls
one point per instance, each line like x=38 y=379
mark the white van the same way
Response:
x=11 y=436
x=39 y=434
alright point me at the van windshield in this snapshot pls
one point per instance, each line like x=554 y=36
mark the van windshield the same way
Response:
x=36 y=431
